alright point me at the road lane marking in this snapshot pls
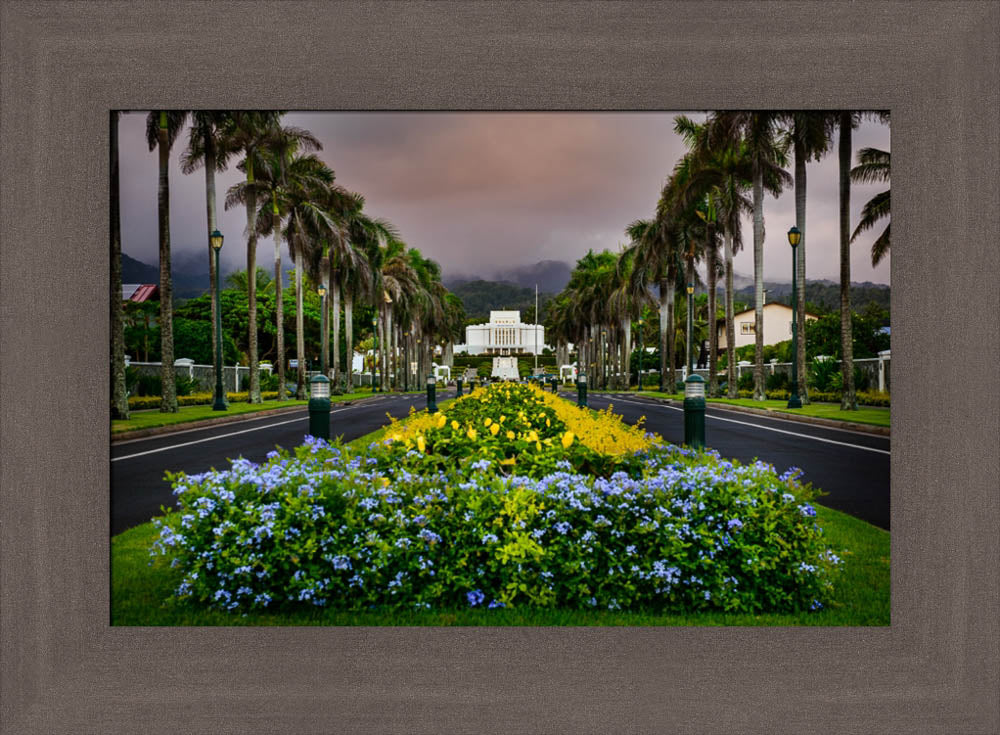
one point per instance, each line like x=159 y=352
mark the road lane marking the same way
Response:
x=770 y=428
x=223 y=436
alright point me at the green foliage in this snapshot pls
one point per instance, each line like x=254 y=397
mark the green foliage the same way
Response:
x=480 y=297
x=137 y=403
x=193 y=339
x=321 y=528
x=823 y=336
x=139 y=383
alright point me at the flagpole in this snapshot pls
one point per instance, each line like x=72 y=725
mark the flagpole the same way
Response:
x=536 y=327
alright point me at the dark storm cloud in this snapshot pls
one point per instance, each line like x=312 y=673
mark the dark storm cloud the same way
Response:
x=482 y=191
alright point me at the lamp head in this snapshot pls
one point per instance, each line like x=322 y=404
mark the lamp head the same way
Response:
x=794 y=236
x=215 y=239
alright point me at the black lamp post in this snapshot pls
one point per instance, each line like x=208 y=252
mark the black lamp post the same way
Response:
x=642 y=349
x=794 y=237
x=322 y=328
x=215 y=239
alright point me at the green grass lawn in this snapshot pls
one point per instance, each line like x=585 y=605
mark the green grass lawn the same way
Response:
x=141 y=594
x=864 y=415
x=152 y=418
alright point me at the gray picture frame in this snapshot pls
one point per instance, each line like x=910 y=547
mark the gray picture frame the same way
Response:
x=65 y=65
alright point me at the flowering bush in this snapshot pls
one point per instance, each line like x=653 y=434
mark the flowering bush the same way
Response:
x=329 y=526
x=137 y=403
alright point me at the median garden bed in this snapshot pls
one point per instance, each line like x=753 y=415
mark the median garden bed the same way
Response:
x=508 y=499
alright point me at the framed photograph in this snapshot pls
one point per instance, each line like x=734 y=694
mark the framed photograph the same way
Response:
x=76 y=658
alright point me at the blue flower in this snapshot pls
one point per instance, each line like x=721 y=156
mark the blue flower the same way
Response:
x=496 y=604
x=475 y=597
x=734 y=523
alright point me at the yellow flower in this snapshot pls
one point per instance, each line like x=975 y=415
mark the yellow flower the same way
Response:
x=567 y=439
x=442 y=419
x=454 y=425
x=548 y=423
x=471 y=433
x=487 y=421
x=538 y=446
x=509 y=460
x=502 y=419
x=495 y=429
x=510 y=435
x=385 y=482
x=420 y=443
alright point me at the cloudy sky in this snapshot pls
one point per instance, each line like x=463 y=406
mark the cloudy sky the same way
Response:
x=480 y=191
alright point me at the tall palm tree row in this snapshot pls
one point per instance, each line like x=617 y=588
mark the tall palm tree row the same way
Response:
x=733 y=160
x=290 y=195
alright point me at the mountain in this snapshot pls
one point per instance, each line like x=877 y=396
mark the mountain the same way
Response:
x=480 y=297
x=823 y=295
x=189 y=282
x=551 y=276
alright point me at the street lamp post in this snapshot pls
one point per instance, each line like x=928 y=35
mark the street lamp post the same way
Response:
x=406 y=359
x=322 y=327
x=794 y=237
x=690 y=325
x=642 y=349
x=215 y=239
x=374 y=352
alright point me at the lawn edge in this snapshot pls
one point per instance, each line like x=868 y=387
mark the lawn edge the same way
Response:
x=771 y=413
x=223 y=419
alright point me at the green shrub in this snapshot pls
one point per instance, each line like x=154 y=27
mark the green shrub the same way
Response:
x=688 y=533
x=138 y=403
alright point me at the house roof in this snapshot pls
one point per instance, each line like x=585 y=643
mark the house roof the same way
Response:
x=139 y=291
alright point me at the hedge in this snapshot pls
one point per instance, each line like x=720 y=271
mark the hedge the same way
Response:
x=137 y=403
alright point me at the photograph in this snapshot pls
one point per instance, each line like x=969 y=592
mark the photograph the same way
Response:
x=533 y=368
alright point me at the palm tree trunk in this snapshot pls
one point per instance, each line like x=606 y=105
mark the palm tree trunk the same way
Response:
x=335 y=321
x=254 y=396
x=390 y=349
x=730 y=318
x=300 y=333
x=711 y=258
x=324 y=337
x=800 y=267
x=279 y=306
x=168 y=400
x=758 y=284
x=349 y=337
x=119 y=394
x=672 y=338
x=848 y=400
x=665 y=319
x=627 y=351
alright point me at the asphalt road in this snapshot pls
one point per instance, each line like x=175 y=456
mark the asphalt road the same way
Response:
x=852 y=467
x=138 y=488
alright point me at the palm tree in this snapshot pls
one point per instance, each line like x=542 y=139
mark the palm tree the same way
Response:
x=846 y=122
x=119 y=393
x=656 y=261
x=248 y=132
x=873 y=166
x=765 y=147
x=308 y=180
x=162 y=129
x=271 y=168
x=207 y=147
x=810 y=138
x=369 y=236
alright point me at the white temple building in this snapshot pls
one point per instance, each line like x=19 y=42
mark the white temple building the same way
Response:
x=505 y=334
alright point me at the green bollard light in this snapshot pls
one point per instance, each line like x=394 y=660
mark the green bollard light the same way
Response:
x=581 y=390
x=458 y=387
x=319 y=407
x=694 y=411
x=431 y=393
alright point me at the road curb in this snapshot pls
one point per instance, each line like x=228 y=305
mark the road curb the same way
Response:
x=220 y=421
x=814 y=420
